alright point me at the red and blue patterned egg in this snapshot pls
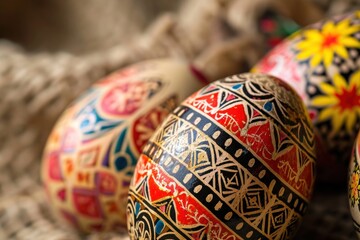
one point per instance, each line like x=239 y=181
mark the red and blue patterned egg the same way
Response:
x=322 y=63
x=235 y=160
x=92 y=151
x=354 y=185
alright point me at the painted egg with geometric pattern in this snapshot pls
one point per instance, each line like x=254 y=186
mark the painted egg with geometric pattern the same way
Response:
x=354 y=185
x=322 y=62
x=92 y=151
x=235 y=160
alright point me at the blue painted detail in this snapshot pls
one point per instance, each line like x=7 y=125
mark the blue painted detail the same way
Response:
x=159 y=227
x=120 y=141
x=132 y=156
x=268 y=106
x=123 y=152
x=120 y=163
x=237 y=86
x=91 y=124
x=85 y=123
x=137 y=208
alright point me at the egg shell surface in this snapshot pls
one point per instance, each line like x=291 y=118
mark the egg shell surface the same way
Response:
x=322 y=63
x=92 y=151
x=235 y=159
x=354 y=185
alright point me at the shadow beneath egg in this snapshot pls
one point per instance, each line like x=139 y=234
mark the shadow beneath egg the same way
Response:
x=328 y=217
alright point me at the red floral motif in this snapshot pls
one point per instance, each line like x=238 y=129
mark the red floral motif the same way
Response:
x=106 y=183
x=127 y=97
x=146 y=124
x=88 y=157
x=280 y=58
x=87 y=203
x=62 y=194
x=54 y=166
x=348 y=98
x=189 y=211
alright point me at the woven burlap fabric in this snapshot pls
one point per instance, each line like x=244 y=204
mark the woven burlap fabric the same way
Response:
x=45 y=66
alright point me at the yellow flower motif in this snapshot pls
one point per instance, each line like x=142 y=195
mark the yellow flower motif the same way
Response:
x=354 y=192
x=320 y=45
x=341 y=102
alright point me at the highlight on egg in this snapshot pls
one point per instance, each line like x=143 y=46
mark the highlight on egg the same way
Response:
x=91 y=153
x=322 y=63
x=354 y=185
x=235 y=160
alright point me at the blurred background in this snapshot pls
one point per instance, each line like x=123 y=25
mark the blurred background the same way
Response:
x=76 y=26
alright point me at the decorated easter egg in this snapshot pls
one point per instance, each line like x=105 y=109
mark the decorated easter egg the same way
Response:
x=92 y=151
x=354 y=185
x=235 y=160
x=322 y=62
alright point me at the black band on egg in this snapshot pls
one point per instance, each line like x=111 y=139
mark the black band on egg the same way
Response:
x=284 y=195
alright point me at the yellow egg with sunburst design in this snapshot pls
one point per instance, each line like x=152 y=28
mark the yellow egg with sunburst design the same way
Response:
x=322 y=62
